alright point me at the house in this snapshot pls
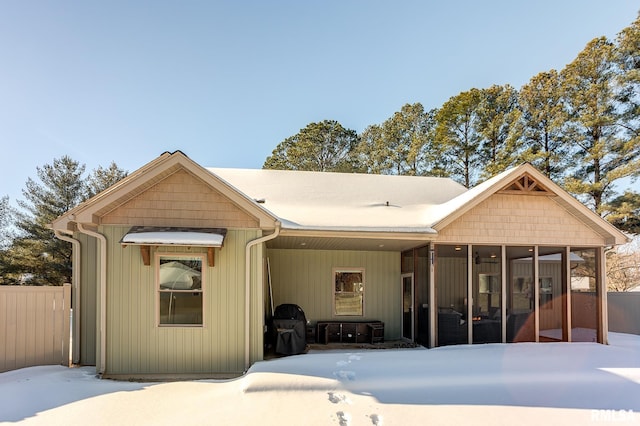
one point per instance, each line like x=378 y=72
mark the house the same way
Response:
x=177 y=266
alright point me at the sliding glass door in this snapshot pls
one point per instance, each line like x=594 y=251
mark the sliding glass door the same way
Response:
x=487 y=294
x=520 y=295
x=451 y=292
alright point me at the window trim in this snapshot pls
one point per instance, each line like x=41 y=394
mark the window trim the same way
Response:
x=338 y=270
x=203 y=259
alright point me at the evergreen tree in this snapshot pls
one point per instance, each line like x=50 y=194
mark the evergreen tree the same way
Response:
x=601 y=152
x=36 y=252
x=372 y=151
x=102 y=178
x=6 y=238
x=624 y=212
x=324 y=146
x=6 y=213
x=35 y=256
x=541 y=124
x=497 y=116
x=628 y=56
x=457 y=134
x=402 y=145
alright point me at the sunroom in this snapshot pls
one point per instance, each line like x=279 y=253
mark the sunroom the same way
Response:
x=486 y=294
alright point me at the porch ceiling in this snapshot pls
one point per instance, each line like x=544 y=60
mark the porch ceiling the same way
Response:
x=298 y=242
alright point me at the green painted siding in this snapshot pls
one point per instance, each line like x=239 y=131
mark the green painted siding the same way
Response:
x=88 y=299
x=136 y=345
x=305 y=277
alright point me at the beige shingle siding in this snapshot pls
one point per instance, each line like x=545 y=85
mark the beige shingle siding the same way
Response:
x=519 y=219
x=181 y=200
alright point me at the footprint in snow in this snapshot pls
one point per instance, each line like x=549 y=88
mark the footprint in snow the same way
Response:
x=341 y=363
x=354 y=358
x=337 y=398
x=348 y=375
x=343 y=418
x=376 y=419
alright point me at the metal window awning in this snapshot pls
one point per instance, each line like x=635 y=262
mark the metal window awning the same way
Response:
x=147 y=236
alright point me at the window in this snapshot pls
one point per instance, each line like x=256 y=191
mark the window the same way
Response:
x=522 y=294
x=180 y=289
x=546 y=292
x=348 y=292
x=489 y=283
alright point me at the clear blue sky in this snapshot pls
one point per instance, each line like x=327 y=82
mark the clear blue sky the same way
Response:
x=225 y=82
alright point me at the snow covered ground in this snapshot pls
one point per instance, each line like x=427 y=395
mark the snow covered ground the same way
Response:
x=496 y=384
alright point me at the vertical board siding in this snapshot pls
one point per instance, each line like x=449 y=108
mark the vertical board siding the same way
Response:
x=137 y=345
x=34 y=326
x=305 y=278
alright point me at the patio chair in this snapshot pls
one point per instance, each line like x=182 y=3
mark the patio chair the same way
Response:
x=451 y=329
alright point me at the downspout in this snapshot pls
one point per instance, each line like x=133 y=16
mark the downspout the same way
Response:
x=75 y=283
x=102 y=283
x=247 y=291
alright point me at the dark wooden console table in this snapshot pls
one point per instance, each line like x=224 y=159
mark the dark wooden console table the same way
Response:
x=349 y=331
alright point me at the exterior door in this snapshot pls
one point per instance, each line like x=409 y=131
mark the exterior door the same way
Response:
x=407 y=306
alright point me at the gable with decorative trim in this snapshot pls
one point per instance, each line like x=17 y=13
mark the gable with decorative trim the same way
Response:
x=181 y=199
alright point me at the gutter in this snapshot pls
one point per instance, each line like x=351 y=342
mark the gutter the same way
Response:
x=102 y=284
x=75 y=283
x=247 y=291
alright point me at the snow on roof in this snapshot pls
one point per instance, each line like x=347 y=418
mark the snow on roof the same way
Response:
x=345 y=201
x=438 y=213
x=174 y=236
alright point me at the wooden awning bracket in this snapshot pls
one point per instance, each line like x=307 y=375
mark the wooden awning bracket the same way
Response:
x=145 y=252
x=211 y=256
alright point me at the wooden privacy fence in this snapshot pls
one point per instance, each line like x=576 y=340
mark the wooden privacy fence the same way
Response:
x=624 y=312
x=34 y=326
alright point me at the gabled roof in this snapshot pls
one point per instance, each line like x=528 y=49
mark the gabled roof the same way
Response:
x=526 y=179
x=349 y=205
x=147 y=176
x=319 y=201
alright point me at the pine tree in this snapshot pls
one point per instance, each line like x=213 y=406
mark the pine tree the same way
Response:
x=325 y=146
x=628 y=57
x=541 y=124
x=35 y=256
x=497 y=116
x=36 y=252
x=102 y=178
x=602 y=152
x=457 y=135
x=6 y=213
x=372 y=151
x=402 y=145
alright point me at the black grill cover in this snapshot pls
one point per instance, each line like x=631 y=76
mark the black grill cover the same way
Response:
x=290 y=324
x=289 y=311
